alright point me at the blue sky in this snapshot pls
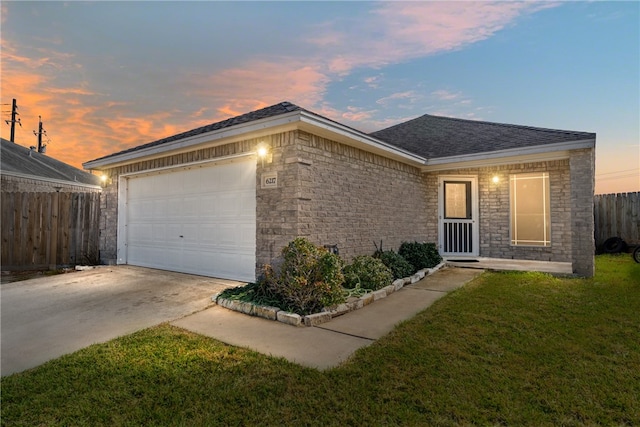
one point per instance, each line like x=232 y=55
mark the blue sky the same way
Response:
x=110 y=75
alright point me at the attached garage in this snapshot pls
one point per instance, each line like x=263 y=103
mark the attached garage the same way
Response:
x=198 y=219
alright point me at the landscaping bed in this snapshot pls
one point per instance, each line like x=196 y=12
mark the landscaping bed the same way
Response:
x=311 y=285
x=327 y=313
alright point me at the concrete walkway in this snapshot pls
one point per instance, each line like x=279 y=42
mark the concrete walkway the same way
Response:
x=329 y=344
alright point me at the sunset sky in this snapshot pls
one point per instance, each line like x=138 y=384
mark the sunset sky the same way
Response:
x=106 y=76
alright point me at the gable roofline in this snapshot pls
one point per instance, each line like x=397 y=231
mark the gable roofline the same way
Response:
x=293 y=118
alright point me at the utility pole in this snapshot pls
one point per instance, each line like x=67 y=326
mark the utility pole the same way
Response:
x=13 y=121
x=39 y=134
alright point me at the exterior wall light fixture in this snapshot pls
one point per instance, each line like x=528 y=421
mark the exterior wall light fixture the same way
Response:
x=264 y=153
x=495 y=179
x=105 y=180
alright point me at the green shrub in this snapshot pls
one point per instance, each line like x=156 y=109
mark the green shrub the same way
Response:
x=310 y=278
x=399 y=266
x=420 y=255
x=367 y=272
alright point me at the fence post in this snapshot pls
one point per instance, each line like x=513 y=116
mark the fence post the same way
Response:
x=53 y=239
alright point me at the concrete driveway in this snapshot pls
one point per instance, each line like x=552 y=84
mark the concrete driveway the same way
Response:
x=44 y=318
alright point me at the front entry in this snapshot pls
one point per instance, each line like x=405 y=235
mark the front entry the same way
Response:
x=458 y=215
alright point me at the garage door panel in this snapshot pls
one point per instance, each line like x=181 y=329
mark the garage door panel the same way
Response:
x=173 y=257
x=159 y=232
x=212 y=207
x=247 y=233
x=142 y=209
x=141 y=233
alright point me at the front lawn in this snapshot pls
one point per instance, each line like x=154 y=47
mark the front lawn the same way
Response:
x=508 y=348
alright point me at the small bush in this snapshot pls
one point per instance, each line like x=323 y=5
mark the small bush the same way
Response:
x=399 y=266
x=367 y=272
x=310 y=278
x=420 y=255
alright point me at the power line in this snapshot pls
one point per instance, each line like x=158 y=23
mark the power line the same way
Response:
x=619 y=177
x=617 y=172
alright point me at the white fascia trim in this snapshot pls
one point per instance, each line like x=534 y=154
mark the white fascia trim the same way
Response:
x=359 y=137
x=537 y=153
x=283 y=120
x=51 y=180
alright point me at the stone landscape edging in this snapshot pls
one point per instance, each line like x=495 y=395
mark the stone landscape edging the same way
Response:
x=327 y=313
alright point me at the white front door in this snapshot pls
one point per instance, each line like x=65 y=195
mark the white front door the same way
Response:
x=458 y=233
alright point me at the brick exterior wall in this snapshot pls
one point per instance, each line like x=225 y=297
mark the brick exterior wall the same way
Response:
x=334 y=194
x=493 y=203
x=582 y=165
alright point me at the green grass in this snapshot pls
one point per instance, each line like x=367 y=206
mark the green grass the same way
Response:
x=507 y=349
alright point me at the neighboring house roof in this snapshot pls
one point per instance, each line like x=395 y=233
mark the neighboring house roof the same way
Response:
x=417 y=140
x=21 y=161
x=435 y=136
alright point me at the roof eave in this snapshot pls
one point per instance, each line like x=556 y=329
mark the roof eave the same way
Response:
x=299 y=119
x=544 y=152
x=212 y=138
x=349 y=136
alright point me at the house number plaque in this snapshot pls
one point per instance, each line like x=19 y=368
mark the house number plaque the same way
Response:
x=270 y=180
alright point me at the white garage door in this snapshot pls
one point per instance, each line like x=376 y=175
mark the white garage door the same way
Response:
x=200 y=220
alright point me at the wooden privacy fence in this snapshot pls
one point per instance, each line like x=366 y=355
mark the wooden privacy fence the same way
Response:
x=617 y=215
x=49 y=230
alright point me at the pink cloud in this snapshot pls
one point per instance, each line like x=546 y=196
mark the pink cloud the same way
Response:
x=356 y=114
x=260 y=83
x=399 y=31
x=407 y=95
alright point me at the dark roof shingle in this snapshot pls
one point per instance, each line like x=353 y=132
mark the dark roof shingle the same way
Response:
x=273 y=110
x=435 y=136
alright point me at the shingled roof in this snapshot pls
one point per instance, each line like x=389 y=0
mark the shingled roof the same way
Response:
x=434 y=136
x=426 y=136
x=274 y=110
x=18 y=159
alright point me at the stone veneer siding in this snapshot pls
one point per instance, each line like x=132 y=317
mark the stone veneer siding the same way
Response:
x=493 y=203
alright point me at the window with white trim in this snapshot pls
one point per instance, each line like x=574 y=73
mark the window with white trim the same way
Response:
x=530 y=209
